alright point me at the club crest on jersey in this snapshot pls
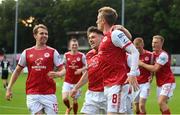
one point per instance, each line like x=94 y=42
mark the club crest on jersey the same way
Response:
x=46 y=55
x=146 y=58
x=104 y=39
x=78 y=59
x=31 y=55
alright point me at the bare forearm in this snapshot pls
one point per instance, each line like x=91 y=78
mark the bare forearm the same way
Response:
x=14 y=76
x=82 y=81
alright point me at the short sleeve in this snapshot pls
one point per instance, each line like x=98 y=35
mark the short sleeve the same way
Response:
x=57 y=59
x=119 y=39
x=22 y=60
x=162 y=59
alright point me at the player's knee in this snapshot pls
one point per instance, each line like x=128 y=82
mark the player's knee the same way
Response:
x=161 y=103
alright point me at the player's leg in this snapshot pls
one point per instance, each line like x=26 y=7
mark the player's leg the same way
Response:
x=65 y=94
x=33 y=104
x=50 y=104
x=75 y=100
x=145 y=89
x=95 y=103
x=113 y=97
x=164 y=93
x=4 y=78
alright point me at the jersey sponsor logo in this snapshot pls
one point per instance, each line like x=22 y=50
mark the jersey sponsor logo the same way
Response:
x=38 y=65
x=104 y=39
x=46 y=55
x=73 y=64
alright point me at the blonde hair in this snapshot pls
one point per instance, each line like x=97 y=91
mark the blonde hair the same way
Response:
x=109 y=14
x=36 y=27
x=159 y=37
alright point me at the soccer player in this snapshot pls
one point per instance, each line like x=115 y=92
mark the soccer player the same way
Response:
x=145 y=76
x=73 y=60
x=112 y=59
x=164 y=77
x=95 y=101
x=5 y=73
x=40 y=88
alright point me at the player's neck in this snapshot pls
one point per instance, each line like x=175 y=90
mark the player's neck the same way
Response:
x=74 y=52
x=106 y=29
x=158 y=51
x=38 y=46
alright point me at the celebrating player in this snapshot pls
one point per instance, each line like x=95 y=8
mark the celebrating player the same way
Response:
x=73 y=60
x=164 y=76
x=112 y=58
x=40 y=88
x=145 y=76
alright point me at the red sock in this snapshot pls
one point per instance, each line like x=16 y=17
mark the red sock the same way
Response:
x=66 y=102
x=75 y=108
x=166 y=112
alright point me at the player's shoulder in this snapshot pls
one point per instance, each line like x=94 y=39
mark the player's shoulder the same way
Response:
x=91 y=53
x=51 y=48
x=80 y=53
x=164 y=54
x=117 y=33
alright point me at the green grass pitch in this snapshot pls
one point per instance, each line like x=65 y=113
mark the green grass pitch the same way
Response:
x=18 y=104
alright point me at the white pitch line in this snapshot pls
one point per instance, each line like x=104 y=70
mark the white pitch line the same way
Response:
x=10 y=107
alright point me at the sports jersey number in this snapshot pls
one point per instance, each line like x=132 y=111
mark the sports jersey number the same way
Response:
x=114 y=98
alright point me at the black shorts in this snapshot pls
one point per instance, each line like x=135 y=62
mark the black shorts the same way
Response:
x=5 y=74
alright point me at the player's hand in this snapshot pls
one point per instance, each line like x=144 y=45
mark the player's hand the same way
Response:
x=78 y=71
x=52 y=74
x=141 y=63
x=8 y=94
x=133 y=82
x=73 y=92
x=118 y=27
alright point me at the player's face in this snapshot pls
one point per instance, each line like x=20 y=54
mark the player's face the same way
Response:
x=74 y=46
x=41 y=36
x=156 y=44
x=94 y=40
x=99 y=22
x=139 y=46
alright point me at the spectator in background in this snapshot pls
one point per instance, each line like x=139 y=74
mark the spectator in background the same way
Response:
x=5 y=73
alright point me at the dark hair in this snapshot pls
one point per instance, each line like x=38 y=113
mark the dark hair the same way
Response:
x=94 y=29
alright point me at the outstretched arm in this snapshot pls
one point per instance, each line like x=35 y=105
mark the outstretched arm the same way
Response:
x=13 y=79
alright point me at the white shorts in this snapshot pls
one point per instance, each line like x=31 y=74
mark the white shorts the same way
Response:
x=95 y=103
x=113 y=98
x=144 y=91
x=123 y=108
x=129 y=104
x=48 y=103
x=166 y=89
x=67 y=87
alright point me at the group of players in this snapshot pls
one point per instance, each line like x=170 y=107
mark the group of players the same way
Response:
x=118 y=71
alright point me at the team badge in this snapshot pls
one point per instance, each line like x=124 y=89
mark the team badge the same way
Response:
x=68 y=59
x=46 y=55
x=146 y=58
x=78 y=59
x=104 y=39
x=31 y=55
